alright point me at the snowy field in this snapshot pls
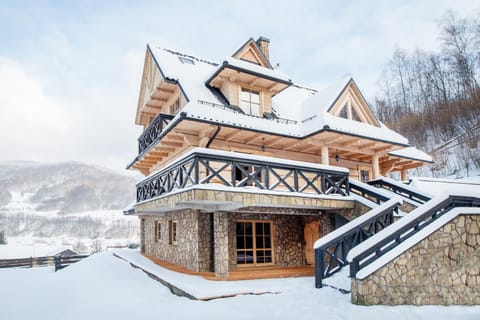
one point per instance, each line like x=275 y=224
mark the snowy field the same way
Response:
x=105 y=287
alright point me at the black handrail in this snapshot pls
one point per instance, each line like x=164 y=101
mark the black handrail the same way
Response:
x=365 y=192
x=331 y=256
x=153 y=131
x=236 y=171
x=394 y=239
x=402 y=191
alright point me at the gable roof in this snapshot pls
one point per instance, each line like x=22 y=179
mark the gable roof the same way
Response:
x=305 y=111
x=251 y=46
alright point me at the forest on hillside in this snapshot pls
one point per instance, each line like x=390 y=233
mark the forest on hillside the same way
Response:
x=433 y=98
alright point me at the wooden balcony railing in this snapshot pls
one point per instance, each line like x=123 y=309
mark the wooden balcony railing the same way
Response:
x=205 y=166
x=153 y=131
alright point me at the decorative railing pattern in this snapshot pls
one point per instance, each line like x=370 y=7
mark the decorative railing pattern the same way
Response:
x=367 y=192
x=331 y=255
x=237 y=171
x=153 y=131
x=409 y=229
x=400 y=190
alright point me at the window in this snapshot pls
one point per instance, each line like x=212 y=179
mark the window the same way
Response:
x=158 y=231
x=246 y=175
x=186 y=60
x=250 y=101
x=364 y=175
x=172 y=232
x=175 y=107
x=254 y=243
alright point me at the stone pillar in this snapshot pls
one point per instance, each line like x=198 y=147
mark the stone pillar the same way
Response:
x=375 y=166
x=325 y=156
x=403 y=175
x=220 y=238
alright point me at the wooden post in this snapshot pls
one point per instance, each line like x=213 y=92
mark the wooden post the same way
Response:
x=403 y=175
x=375 y=166
x=325 y=155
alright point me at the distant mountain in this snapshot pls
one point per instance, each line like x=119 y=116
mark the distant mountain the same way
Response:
x=65 y=187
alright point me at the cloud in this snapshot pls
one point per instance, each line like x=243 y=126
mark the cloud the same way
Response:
x=32 y=122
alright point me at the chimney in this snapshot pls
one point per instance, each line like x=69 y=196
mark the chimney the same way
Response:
x=263 y=44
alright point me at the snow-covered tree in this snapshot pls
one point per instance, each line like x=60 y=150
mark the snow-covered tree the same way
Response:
x=3 y=240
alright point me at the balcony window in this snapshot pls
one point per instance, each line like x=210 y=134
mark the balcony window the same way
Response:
x=250 y=102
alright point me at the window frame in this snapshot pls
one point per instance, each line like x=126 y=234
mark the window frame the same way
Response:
x=249 y=102
x=173 y=232
x=254 y=245
x=158 y=231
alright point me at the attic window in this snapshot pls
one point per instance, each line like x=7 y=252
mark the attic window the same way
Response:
x=186 y=60
x=250 y=101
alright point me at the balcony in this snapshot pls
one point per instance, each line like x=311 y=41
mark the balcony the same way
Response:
x=229 y=169
x=153 y=131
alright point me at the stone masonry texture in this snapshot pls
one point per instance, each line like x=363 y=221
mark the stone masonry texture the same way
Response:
x=443 y=269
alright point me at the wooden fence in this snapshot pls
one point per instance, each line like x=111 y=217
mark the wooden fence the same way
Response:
x=58 y=261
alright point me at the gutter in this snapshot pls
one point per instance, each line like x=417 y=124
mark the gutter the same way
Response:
x=214 y=136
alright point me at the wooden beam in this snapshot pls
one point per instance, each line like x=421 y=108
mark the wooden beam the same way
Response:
x=381 y=149
x=350 y=142
x=255 y=136
x=172 y=144
x=232 y=135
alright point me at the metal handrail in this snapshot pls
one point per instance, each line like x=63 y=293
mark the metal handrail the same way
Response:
x=402 y=191
x=330 y=256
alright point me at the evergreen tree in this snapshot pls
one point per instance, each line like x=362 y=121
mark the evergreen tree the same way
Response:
x=3 y=240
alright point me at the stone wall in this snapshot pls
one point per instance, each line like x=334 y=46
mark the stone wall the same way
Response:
x=442 y=269
x=185 y=253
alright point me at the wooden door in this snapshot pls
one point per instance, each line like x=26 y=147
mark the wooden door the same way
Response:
x=311 y=234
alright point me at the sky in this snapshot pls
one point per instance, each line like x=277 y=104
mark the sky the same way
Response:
x=70 y=71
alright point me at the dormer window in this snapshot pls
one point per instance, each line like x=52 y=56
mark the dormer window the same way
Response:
x=186 y=60
x=250 y=102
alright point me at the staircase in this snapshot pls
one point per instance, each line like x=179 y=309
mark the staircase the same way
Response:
x=360 y=242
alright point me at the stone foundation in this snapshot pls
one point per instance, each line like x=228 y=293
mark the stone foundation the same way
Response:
x=442 y=269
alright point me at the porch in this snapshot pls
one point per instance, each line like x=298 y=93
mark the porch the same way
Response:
x=242 y=274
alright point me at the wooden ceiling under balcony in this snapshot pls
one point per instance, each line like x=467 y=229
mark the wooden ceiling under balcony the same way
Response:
x=349 y=149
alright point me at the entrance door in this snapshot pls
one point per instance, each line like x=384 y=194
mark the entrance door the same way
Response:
x=311 y=234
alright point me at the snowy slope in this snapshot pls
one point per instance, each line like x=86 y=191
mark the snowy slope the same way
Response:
x=104 y=287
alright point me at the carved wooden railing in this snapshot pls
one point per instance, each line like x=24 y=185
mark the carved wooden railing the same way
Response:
x=236 y=170
x=153 y=131
x=331 y=250
x=407 y=227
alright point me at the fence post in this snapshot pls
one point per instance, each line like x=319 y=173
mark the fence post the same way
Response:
x=319 y=268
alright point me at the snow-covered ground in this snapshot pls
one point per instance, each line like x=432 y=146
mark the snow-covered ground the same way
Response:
x=105 y=287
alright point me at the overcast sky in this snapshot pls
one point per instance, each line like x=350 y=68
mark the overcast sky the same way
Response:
x=70 y=70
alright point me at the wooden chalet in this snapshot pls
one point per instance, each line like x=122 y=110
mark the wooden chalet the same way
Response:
x=246 y=168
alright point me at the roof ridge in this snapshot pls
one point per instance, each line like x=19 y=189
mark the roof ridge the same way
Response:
x=178 y=53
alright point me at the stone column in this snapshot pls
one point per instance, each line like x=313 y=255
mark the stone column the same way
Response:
x=375 y=166
x=403 y=175
x=325 y=155
x=220 y=238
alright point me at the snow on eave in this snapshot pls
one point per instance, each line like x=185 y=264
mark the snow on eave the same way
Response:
x=251 y=68
x=412 y=153
x=415 y=239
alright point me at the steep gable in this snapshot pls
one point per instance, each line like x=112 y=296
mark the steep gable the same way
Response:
x=350 y=104
x=251 y=52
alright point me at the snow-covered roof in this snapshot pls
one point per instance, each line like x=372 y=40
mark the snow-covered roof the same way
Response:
x=412 y=153
x=440 y=186
x=307 y=109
